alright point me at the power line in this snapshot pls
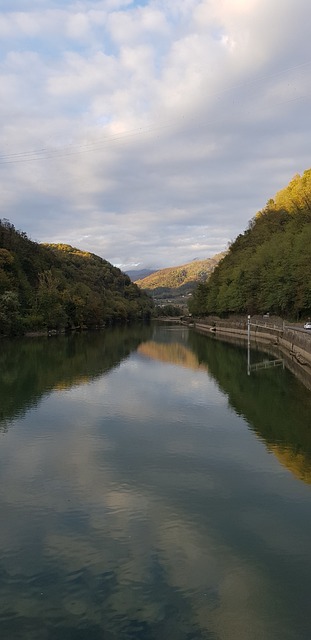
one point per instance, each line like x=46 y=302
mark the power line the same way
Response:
x=46 y=153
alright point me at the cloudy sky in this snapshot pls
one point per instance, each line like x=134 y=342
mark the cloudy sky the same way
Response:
x=150 y=131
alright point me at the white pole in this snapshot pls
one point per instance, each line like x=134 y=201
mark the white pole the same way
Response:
x=248 y=345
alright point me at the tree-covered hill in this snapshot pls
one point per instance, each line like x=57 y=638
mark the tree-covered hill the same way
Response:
x=58 y=286
x=267 y=268
x=174 y=281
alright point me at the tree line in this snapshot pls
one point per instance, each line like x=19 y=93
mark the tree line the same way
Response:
x=267 y=268
x=55 y=287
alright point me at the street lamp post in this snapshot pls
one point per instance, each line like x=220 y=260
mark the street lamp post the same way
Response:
x=248 y=345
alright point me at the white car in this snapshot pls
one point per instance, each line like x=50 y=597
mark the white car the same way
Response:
x=307 y=325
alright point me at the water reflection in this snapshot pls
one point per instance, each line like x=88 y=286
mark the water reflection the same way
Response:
x=138 y=505
x=30 y=368
x=274 y=403
x=174 y=353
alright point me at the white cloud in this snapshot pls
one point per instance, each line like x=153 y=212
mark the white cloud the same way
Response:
x=133 y=124
x=139 y=24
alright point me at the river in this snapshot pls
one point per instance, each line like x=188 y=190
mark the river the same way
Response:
x=150 y=489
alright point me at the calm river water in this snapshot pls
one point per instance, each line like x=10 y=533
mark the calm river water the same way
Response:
x=151 y=490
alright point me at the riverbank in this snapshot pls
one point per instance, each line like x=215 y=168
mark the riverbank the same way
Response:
x=273 y=336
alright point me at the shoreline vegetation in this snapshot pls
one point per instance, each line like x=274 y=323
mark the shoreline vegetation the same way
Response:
x=266 y=268
x=265 y=275
x=58 y=288
x=47 y=289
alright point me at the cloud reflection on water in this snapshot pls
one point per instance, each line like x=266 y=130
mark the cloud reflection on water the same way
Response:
x=140 y=506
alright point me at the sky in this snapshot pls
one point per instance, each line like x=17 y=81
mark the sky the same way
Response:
x=150 y=132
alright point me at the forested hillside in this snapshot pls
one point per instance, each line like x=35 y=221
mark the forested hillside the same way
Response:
x=58 y=286
x=173 y=281
x=267 y=268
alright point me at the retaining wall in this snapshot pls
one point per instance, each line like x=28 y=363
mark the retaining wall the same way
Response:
x=295 y=343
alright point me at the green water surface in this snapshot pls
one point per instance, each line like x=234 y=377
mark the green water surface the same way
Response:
x=150 y=489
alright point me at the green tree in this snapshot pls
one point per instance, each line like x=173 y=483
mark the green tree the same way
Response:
x=10 y=318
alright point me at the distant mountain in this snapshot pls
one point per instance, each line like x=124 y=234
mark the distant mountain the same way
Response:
x=139 y=274
x=178 y=281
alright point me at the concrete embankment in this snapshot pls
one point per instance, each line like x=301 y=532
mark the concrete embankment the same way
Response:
x=295 y=345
